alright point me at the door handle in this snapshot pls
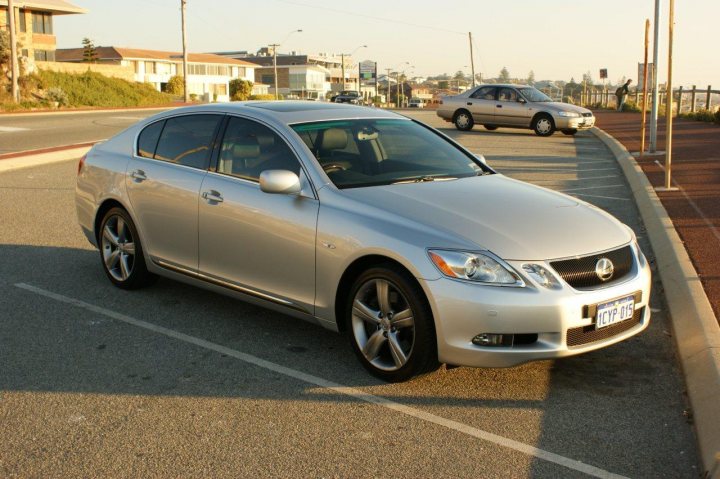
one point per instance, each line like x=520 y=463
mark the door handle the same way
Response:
x=138 y=175
x=469 y=103
x=212 y=196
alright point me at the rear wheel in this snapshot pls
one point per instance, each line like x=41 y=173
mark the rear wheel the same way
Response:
x=490 y=127
x=463 y=120
x=390 y=324
x=544 y=125
x=121 y=252
x=569 y=132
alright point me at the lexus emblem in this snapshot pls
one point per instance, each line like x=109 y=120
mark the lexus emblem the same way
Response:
x=604 y=269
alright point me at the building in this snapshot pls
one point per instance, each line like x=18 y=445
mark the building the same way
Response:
x=332 y=64
x=296 y=81
x=35 y=30
x=208 y=75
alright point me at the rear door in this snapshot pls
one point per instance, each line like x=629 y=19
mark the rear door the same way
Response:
x=510 y=110
x=163 y=183
x=481 y=104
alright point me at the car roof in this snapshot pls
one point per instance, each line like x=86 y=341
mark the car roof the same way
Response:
x=291 y=111
x=512 y=85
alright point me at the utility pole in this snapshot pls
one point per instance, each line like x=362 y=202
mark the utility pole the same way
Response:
x=472 y=62
x=669 y=103
x=275 y=47
x=342 y=58
x=387 y=80
x=13 y=53
x=654 y=112
x=183 y=5
x=644 y=86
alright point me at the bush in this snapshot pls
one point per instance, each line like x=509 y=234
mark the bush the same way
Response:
x=240 y=89
x=262 y=97
x=717 y=116
x=56 y=95
x=94 y=89
x=175 y=85
x=703 y=115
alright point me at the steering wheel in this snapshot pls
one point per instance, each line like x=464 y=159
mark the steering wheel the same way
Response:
x=333 y=167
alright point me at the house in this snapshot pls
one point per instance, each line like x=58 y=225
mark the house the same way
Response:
x=295 y=81
x=208 y=75
x=34 y=23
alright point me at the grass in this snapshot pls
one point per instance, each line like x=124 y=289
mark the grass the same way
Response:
x=703 y=115
x=89 y=89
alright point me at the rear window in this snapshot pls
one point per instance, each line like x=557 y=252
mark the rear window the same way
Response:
x=147 y=141
x=187 y=140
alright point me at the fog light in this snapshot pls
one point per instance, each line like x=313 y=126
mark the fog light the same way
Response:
x=491 y=339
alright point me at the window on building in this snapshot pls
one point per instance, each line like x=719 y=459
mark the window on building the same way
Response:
x=196 y=69
x=42 y=23
x=149 y=68
x=186 y=140
x=45 y=55
x=23 y=21
x=25 y=53
x=267 y=79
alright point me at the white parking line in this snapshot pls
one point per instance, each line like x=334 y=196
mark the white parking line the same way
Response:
x=336 y=387
x=10 y=129
x=598 y=196
x=591 y=188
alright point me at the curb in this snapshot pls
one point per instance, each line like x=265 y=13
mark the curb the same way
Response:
x=695 y=327
x=25 y=161
x=73 y=111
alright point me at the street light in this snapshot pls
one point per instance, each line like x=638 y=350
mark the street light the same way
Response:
x=275 y=47
x=342 y=58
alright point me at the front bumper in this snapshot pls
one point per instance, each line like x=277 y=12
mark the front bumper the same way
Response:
x=579 y=123
x=463 y=310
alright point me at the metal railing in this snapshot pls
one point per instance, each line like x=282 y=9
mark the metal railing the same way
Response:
x=684 y=100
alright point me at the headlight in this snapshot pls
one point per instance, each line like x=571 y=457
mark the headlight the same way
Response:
x=569 y=114
x=541 y=275
x=476 y=267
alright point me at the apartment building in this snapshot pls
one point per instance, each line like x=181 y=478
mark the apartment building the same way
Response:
x=34 y=26
x=208 y=75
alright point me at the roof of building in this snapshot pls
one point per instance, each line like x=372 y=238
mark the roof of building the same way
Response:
x=119 y=53
x=58 y=7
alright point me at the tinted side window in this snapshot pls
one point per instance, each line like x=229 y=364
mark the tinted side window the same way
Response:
x=507 y=94
x=249 y=148
x=148 y=139
x=187 y=140
x=484 y=93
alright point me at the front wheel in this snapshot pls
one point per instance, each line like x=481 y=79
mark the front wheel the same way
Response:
x=544 y=125
x=121 y=252
x=463 y=120
x=390 y=324
x=570 y=132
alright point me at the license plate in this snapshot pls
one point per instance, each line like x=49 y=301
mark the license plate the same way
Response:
x=614 y=311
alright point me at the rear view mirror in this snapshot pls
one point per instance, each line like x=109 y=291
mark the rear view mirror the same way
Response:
x=367 y=134
x=282 y=182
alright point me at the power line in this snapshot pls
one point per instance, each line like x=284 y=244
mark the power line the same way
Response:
x=355 y=14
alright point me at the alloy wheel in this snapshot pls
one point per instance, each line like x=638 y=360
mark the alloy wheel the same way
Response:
x=118 y=248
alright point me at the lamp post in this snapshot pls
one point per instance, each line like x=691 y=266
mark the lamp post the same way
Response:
x=342 y=58
x=275 y=47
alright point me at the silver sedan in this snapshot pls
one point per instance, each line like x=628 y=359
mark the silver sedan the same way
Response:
x=513 y=106
x=365 y=222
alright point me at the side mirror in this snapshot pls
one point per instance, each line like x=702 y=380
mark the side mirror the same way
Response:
x=481 y=158
x=521 y=100
x=281 y=182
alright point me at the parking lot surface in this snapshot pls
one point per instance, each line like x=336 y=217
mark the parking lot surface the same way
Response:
x=177 y=381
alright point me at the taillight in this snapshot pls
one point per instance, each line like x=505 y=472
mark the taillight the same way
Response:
x=81 y=163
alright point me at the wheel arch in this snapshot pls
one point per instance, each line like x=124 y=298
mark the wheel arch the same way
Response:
x=461 y=110
x=540 y=114
x=106 y=205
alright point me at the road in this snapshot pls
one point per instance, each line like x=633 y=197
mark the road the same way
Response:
x=176 y=381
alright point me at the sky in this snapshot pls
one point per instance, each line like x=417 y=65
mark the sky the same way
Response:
x=556 y=39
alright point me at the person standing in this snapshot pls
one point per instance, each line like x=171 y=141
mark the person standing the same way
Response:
x=621 y=93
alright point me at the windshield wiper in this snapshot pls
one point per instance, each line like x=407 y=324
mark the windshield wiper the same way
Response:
x=423 y=179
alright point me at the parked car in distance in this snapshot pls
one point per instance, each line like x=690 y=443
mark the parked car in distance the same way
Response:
x=366 y=222
x=416 y=103
x=348 y=96
x=513 y=106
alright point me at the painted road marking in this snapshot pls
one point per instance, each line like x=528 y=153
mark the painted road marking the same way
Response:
x=591 y=188
x=333 y=386
x=601 y=197
x=10 y=129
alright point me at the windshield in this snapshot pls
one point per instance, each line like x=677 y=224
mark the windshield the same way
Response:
x=533 y=94
x=357 y=153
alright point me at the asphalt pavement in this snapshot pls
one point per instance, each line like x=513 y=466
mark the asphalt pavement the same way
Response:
x=177 y=381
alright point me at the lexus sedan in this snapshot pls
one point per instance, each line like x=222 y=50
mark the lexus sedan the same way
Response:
x=513 y=106
x=365 y=222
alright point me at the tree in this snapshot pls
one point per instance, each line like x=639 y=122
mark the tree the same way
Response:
x=175 y=85
x=443 y=84
x=459 y=75
x=504 y=75
x=587 y=78
x=89 y=53
x=240 y=89
x=531 y=78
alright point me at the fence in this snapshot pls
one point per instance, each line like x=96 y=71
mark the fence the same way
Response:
x=684 y=100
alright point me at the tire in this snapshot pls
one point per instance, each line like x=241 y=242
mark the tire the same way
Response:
x=394 y=339
x=121 y=252
x=463 y=120
x=490 y=127
x=570 y=132
x=543 y=125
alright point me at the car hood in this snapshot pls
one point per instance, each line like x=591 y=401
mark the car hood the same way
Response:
x=559 y=106
x=514 y=220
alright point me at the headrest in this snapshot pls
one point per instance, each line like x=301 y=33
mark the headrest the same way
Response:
x=333 y=139
x=246 y=147
x=265 y=140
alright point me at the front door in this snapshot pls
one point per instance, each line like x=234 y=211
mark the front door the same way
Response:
x=510 y=110
x=261 y=242
x=163 y=183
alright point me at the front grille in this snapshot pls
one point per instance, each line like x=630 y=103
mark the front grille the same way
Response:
x=588 y=334
x=587 y=114
x=580 y=272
